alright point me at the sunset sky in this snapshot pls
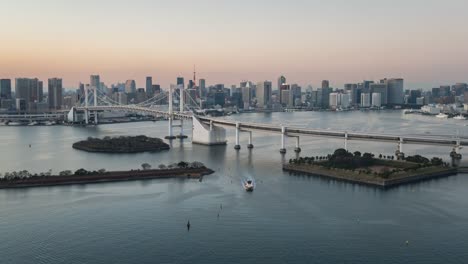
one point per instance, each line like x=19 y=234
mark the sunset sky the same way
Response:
x=423 y=41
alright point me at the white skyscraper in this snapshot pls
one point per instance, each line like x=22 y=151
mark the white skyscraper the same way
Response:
x=365 y=100
x=377 y=99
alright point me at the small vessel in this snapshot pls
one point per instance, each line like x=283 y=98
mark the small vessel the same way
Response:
x=33 y=123
x=249 y=185
x=460 y=117
x=14 y=123
x=49 y=123
x=442 y=115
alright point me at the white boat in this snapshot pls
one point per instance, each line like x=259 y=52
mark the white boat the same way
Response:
x=249 y=185
x=49 y=123
x=442 y=115
x=15 y=123
x=460 y=117
x=33 y=123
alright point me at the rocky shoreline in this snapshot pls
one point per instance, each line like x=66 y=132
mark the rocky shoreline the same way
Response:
x=111 y=176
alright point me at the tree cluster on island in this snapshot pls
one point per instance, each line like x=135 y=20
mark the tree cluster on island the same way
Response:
x=24 y=174
x=122 y=144
x=360 y=163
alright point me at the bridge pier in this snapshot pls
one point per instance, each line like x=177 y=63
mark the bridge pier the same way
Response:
x=95 y=105
x=181 y=135
x=455 y=155
x=171 y=116
x=298 y=148
x=237 y=146
x=250 y=145
x=346 y=141
x=283 y=140
x=400 y=155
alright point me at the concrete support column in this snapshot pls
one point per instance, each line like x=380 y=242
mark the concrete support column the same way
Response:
x=400 y=155
x=346 y=141
x=250 y=145
x=455 y=155
x=95 y=104
x=86 y=106
x=237 y=146
x=171 y=115
x=283 y=140
x=298 y=148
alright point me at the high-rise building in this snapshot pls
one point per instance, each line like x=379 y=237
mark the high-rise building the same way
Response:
x=95 y=81
x=294 y=94
x=284 y=98
x=334 y=100
x=264 y=94
x=281 y=81
x=381 y=88
x=352 y=90
x=325 y=84
x=365 y=100
x=395 y=91
x=31 y=90
x=5 y=89
x=55 y=93
x=284 y=87
x=149 y=86
x=130 y=86
x=377 y=99
x=181 y=82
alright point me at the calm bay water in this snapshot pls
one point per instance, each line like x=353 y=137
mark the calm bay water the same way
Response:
x=287 y=219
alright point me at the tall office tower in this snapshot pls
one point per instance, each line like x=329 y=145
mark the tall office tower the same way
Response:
x=325 y=84
x=351 y=89
x=395 y=91
x=264 y=94
x=366 y=86
x=281 y=81
x=130 y=86
x=284 y=87
x=376 y=99
x=181 y=82
x=201 y=88
x=81 y=90
x=156 y=88
x=295 y=93
x=55 y=93
x=381 y=88
x=95 y=81
x=345 y=100
x=284 y=97
x=149 y=86
x=191 y=84
x=30 y=90
x=334 y=100
x=460 y=88
x=365 y=100
x=5 y=89
x=246 y=95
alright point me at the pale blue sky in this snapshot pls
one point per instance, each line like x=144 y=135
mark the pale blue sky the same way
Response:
x=425 y=42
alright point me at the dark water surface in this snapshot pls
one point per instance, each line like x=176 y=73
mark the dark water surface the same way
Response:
x=287 y=219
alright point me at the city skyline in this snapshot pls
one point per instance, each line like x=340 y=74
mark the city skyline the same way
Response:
x=306 y=41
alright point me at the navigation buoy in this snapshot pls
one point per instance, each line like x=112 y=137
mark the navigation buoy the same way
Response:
x=188 y=225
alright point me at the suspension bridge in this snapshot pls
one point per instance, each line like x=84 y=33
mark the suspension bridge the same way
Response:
x=212 y=131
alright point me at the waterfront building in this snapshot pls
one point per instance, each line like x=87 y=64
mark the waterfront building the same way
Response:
x=377 y=99
x=333 y=100
x=365 y=100
x=284 y=97
x=31 y=90
x=281 y=81
x=395 y=91
x=295 y=93
x=5 y=89
x=264 y=94
x=381 y=88
x=55 y=93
